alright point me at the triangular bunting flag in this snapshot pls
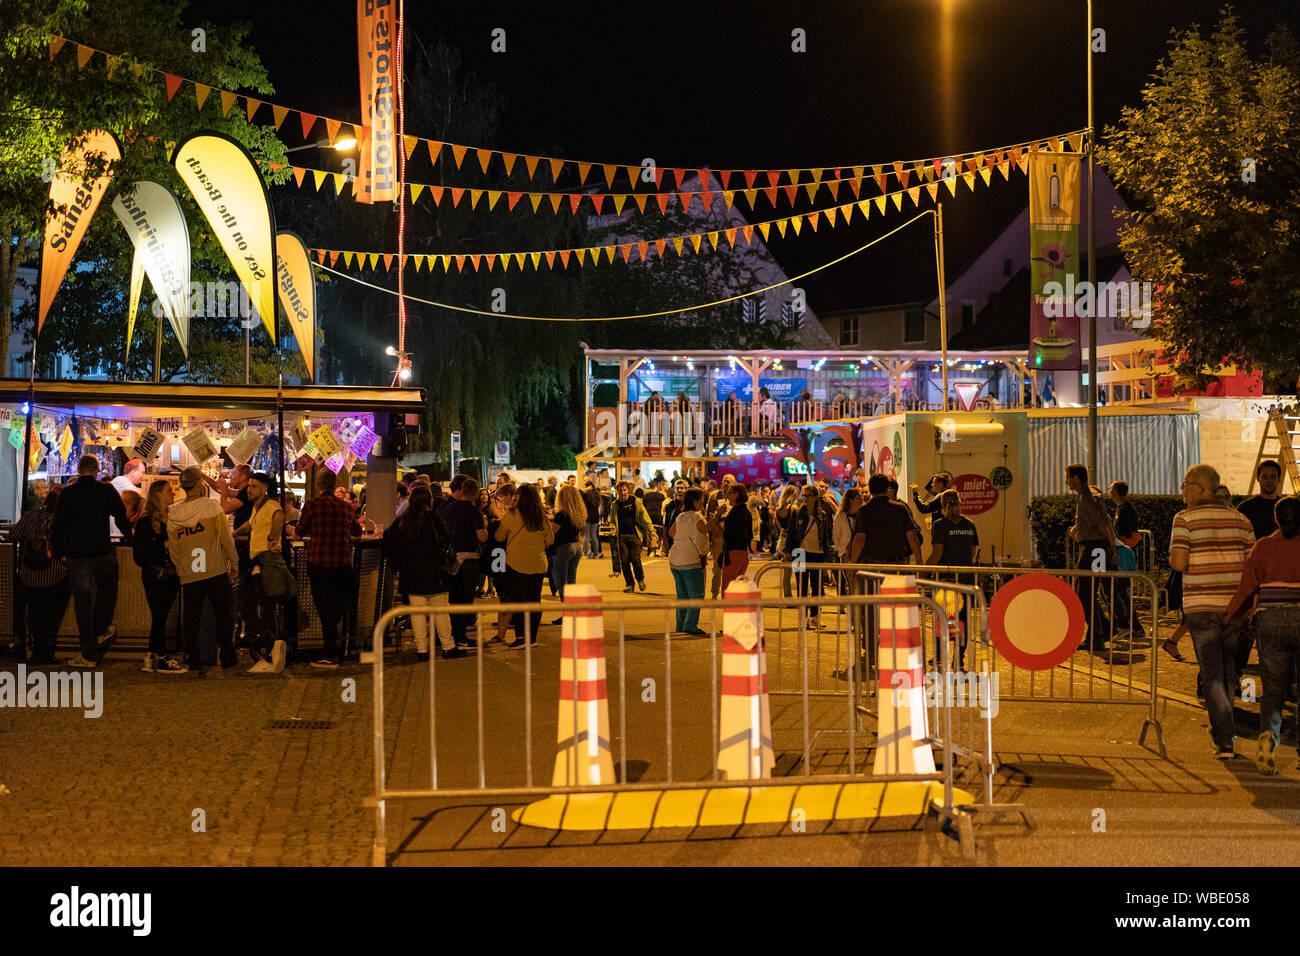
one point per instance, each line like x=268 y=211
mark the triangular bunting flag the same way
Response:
x=713 y=239
x=879 y=177
x=339 y=180
x=811 y=190
x=537 y=259
x=847 y=209
x=535 y=199
x=662 y=199
x=830 y=217
x=55 y=46
x=412 y=143
x=1076 y=142
x=458 y=153
x=227 y=102
x=491 y=261
x=626 y=249
x=728 y=197
x=969 y=180
x=564 y=257
x=493 y=196
x=933 y=190
x=812 y=221
x=643 y=248
x=319 y=175
x=914 y=194
x=509 y=160
x=173 y=82
x=639 y=199
x=583 y=170
x=334 y=258
x=511 y=199
x=460 y=263
x=456 y=193
x=609 y=253
x=598 y=200
x=780 y=226
x=332 y=129
x=347 y=259
x=436 y=192
x=660 y=246
x=610 y=169
x=278 y=114
x=556 y=166
x=748 y=233
x=619 y=200
x=880 y=203
x=864 y=207
x=897 y=198
x=574 y=200
x=677 y=245
x=764 y=228
x=731 y=236
x=374 y=259
x=530 y=164
x=951 y=183
x=416 y=189
x=555 y=199
x=750 y=176
x=685 y=199
x=987 y=174
x=474 y=196
x=484 y=157
x=84 y=53
x=1004 y=168
x=475 y=259
x=388 y=261
x=252 y=106
x=201 y=94
x=308 y=121
x=435 y=148
x=798 y=222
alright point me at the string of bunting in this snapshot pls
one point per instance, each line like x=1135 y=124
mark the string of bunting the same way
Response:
x=900 y=170
x=640 y=315
x=575 y=202
x=833 y=215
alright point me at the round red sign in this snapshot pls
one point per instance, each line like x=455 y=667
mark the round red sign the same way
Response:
x=1036 y=621
x=977 y=494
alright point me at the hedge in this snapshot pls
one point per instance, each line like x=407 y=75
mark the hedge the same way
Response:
x=1050 y=517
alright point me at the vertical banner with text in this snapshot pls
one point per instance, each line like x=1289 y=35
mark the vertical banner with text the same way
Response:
x=297 y=286
x=78 y=191
x=229 y=189
x=1054 y=208
x=377 y=61
x=153 y=219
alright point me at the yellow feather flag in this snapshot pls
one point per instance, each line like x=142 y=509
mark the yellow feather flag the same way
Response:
x=319 y=175
x=201 y=93
x=493 y=196
x=880 y=203
x=897 y=198
x=797 y=222
x=763 y=227
x=677 y=244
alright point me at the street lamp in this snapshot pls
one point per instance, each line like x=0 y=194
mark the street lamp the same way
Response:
x=343 y=144
x=403 y=372
x=1092 y=271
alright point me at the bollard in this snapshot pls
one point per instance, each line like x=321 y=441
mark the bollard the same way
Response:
x=582 y=753
x=745 y=719
x=902 y=746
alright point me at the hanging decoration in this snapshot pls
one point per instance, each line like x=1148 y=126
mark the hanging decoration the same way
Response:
x=296 y=283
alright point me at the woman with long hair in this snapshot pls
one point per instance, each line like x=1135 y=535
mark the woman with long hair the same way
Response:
x=785 y=502
x=686 y=559
x=158 y=575
x=567 y=526
x=737 y=535
x=134 y=505
x=414 y=543
x=527 y=533
x=808 y=530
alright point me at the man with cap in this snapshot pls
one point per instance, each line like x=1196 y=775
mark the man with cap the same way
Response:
x=263 y=531
x=203 y=550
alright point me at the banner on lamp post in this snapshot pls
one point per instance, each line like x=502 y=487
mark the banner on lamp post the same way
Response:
x=80 y=197
x=297 y=287
x=230 y=192
x=377 y=63
x=1054 y=212
x=153 y=219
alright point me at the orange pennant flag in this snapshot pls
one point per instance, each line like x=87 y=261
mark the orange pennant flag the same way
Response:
x=535 y=199
x=388 y=261
x=298 y=172
x=748 y=233
x=626 y=249
x=55 y=46
x=459 y=153
x=556 y=166
x=660 y=246
x=662 y=200
x=914 y=194
x=643 y=248
x=834 y=187
x=610 y=169
x=332 y=129
x=334 y=258
x=933 y=190
x=811 y=190
x=1004 y=168
x=583 y=170
x=484 y=157
x=201 y=93
x=278 y=114
x=511 y=199
x=491 y=261
x=530 y=163
x=475 y=259
x=564 y=257
x=633 y=173
x=252 y=106
x=731 y=236
x=435 y=148
x=227 y=101
x=456 y=193
x=555 y=201
x=436 y=192
x=847 y=209
x=830 y=216
x=639 y=199
x=509 y=160
x=84 y=53
x=685 y=199
x=812 y=220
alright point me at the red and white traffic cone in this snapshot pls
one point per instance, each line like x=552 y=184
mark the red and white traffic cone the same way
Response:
x=582 y=753
x=902 y=746
x=745 y=719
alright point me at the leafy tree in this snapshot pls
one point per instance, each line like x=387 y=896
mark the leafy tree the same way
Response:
x=1210 y=159
x=45 y=106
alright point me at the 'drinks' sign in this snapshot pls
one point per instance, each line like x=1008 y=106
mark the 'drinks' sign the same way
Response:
x=377 y=59
x=229 y=189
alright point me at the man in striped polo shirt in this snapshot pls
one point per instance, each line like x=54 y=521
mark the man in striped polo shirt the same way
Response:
x=1208 y=544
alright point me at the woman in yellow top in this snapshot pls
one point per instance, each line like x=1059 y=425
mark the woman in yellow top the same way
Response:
x=527 y=534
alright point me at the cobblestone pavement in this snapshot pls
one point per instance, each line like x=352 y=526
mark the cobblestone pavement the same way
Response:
x=123 y=789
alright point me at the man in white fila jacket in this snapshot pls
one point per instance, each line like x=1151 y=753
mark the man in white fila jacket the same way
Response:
x=203 y=550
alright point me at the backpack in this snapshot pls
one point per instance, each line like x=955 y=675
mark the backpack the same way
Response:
x=37 y=555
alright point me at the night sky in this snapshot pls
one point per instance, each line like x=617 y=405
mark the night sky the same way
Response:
x=717 y=85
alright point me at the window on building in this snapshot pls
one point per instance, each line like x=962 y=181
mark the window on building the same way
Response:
x=849 y=330
x=914 y=325
x=789 y=316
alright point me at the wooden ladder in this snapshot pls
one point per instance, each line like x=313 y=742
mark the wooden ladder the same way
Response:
x=1285 y=430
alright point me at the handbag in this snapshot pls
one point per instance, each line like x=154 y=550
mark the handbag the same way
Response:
x=277 y=579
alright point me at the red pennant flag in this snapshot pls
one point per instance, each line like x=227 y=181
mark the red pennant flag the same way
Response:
x=574 y=200
x=598 y=200
x=770 y=193
x=659 y=177
x=456 y=193
x=436 y=192
x=308 y=121
x=856 y=185
x=511 y=199
x=173 y=84
x=475 y=261
x=724 y=178
x=772 y=176
x=703 y=176
x=791 y=192
x=750 y=175
x=679 y=175
x=662 y=199
x=706 y=200
x=334 y=258
x=550 y=260
x=685 y=199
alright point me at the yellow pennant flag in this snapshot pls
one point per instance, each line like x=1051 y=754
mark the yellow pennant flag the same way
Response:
x=227 y=101
x=951 y=183
x=319 y=175
x=780 y=226
x=535 y=199
x=347 y=260
x=695 y=241
x=986 y=174
x=677 y=244
x=880 y=203
x=763 y=227
x=1004 y=168
x=619 y=200
x=811 y=190
x=969 y=179
x=609 y=253
x=474 y=196
x=864 y=207
x=519 y=260
x=412 y=143
x=914 y=194
x=493 y=196
x=933 y=190
x=797 y=222
x=374 y=260
x=201 y=93
x=897 y=198
x=416 y=189
x=339 y=180
x=537 y=259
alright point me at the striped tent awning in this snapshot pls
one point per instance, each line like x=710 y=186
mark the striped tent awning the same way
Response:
x=1150 y=452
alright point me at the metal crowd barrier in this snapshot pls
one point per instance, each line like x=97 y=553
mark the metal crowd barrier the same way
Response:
x=1125 y=676
x=504 y=782
x=1145 y=552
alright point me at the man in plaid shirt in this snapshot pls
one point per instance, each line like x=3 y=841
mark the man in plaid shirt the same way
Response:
x=329 y=524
